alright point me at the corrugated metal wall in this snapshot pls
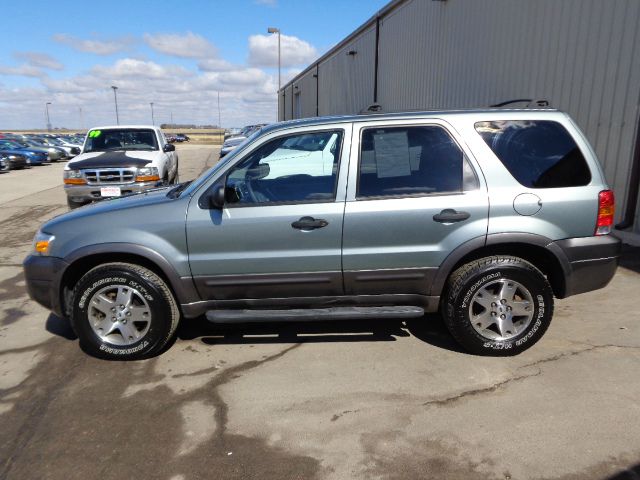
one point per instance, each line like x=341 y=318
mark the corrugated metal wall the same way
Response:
x=583 y=56
x=346 y=81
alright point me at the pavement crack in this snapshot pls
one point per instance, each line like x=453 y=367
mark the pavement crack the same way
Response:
x=492 y=388
x=221 y=408
x=480 y=391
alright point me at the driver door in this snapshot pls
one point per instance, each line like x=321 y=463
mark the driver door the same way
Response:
x=280 y=231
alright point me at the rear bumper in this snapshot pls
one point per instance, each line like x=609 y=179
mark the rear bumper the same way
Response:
x=91 y=193
x=42 y=276
x=592 y=262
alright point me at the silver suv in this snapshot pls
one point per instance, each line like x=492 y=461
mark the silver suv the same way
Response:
x=485 y=216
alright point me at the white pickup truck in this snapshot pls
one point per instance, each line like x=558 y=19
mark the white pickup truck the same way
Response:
x=119 y=160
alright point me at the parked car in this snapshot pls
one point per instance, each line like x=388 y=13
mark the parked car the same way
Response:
x=181 y=137
x=484 y=216
x=51 y=155
x=55 y=153
x=119 y=160
x=13 y=161
x=231 y=144
x=32 y=156
x=70 y=150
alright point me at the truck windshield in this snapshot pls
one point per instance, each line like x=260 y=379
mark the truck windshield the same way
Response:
x=121 y=139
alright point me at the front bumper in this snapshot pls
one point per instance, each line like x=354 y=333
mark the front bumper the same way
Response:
x=91 y=193
x=43 y=275
x=592 y=262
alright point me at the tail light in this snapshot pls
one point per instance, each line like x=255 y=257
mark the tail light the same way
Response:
x=606 y=209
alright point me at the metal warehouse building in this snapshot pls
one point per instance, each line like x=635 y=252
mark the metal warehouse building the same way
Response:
x=581 y=56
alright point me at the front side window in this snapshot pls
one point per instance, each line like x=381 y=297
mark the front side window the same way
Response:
x=121 y=139
x=539 y=154
x=399 y=161
x=294 y=168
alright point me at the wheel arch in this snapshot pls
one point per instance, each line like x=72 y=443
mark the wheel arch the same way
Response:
x=536 y=249
x=86 y=258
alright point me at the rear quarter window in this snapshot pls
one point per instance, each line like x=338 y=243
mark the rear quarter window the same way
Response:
x=539 y=154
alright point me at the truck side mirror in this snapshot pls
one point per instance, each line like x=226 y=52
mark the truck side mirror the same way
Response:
x=168 y=148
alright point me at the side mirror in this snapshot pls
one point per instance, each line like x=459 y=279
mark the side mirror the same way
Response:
x=168 y=148
x=216 y=197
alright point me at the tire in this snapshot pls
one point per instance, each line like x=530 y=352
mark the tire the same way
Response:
x=141 y=325
x=498 y=306
x=72 y=205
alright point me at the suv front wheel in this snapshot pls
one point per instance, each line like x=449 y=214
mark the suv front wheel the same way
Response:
x=498 y=305
x=123 y=311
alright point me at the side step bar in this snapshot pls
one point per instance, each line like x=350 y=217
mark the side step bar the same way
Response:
x=311 y=314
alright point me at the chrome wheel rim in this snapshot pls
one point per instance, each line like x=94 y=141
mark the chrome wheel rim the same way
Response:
x=119 y=315
x=501 y=310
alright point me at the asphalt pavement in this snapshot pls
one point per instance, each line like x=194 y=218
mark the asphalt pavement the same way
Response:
x=330 y=400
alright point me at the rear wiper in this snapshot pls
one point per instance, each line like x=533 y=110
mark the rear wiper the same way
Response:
x=175 y=192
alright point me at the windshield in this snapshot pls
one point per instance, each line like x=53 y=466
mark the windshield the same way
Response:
x=121 y=139
x=8 y=144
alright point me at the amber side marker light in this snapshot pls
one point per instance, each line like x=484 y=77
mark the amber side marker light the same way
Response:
x=75 y=181
x=42 y=246
x=147 y=178
x=606 y=211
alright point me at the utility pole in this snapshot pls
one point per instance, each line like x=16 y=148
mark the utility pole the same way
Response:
x=81 y=119
x=153 y=120
x=219 y=117
x=115 y=97
x=46 y=106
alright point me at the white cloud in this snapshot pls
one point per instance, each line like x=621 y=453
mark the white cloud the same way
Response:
x=188 y=93
x=189 y=45
x=24 y=70
x=216 y=65
x=39 y=60
x=263 y=51
x=131 y=67
x=98 y=47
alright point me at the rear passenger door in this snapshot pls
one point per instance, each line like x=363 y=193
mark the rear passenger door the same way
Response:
x=414 y=195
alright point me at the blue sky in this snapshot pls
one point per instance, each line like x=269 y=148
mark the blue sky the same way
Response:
x=175 y=54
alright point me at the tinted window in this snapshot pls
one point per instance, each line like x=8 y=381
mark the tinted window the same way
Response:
x=540 y=154
x=411 y=160
x=295 y=168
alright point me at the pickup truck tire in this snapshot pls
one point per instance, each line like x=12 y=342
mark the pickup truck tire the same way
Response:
x=122 y=311
x=71 y=204
x=498 y=306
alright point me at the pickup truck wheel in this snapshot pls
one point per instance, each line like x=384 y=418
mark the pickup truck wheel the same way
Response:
x=123 y=311
x=71 y=204
x=498 y=306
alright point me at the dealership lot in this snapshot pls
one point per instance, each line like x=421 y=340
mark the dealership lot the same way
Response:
x=384 y=399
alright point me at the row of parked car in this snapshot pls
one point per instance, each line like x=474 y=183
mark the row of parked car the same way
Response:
x=233 y=138
x=18 y=151
x=177 y=137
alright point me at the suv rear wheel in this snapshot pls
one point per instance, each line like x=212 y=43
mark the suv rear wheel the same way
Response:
x=498 y=305
x=123 y=311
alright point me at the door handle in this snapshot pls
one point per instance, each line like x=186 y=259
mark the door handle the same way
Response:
x=309 y=223
x=449 y=215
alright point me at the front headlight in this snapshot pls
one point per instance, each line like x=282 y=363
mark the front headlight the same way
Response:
x=147 y=174
x=42 y=243
x=73 y=177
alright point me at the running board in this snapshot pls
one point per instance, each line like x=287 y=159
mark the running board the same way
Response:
x=311 y=314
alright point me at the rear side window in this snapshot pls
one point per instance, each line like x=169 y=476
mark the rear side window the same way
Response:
x=401 y=161
x=539 y=154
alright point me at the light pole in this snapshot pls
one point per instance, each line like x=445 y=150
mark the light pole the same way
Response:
x=46 y=106
x=277 y=30
x=219 y=117
x=81 y=119
x=115 y=97
x=153 y=120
